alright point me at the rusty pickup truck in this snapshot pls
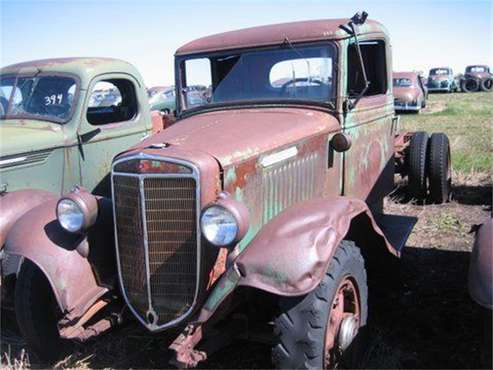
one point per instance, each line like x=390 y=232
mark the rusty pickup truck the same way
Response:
x=262 y=208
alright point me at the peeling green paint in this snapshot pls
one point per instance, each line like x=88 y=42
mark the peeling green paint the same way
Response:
x=226 y=284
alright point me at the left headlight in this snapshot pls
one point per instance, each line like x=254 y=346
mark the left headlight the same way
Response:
x=225 y=221
x=77 y=211
x=218 y=225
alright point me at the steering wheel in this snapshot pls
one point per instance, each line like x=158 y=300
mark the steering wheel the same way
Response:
x=300 y=79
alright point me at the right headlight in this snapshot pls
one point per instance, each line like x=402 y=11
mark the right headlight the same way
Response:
x=70 y=215
x=225 y=221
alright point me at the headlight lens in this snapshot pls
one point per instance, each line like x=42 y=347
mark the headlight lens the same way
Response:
x=218 y=226
x=70 y=215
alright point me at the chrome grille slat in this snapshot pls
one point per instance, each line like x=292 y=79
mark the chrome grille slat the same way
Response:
x=166 y=211
x=131 y=240
x=177 y=263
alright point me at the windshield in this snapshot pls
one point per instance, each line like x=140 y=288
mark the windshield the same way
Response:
x=476 y=69
x=299 y=73
x=38 y=97
x=439 y=71
x=402 y=82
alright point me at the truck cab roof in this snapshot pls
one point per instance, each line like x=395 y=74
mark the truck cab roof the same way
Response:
x=304 y=31
x=83 y=67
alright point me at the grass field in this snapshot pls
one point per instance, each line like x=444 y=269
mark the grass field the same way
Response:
x=468 y=121
x=421 y=317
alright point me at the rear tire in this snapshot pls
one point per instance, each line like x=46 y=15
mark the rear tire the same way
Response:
x=418 y=148
x=487 y=84
x=37 y=313
x=303 y=323
x=439 y=168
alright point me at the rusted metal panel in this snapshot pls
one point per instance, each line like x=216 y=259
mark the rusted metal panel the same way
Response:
x=481 y=266
x=316 y=30
x=54 y=251
x=267 y=263
x=234 y=136
x=15 y=204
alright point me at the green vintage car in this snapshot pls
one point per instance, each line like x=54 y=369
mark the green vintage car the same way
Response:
x=61 y=123
x=162 y=99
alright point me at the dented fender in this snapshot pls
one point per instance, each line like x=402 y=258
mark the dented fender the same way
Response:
x=15 y=204
x=69 y=261
x=291 y=253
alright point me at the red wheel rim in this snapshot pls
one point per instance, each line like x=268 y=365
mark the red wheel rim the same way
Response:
x=344 y=304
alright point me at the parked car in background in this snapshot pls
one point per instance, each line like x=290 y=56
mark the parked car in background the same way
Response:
x=477 y=78
x=409 y=92
x=262 y=205
x=442 y=79
x=481 y=284
x=162 y=99
x=61 y=123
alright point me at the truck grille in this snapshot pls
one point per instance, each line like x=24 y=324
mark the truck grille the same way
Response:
x=156 y=220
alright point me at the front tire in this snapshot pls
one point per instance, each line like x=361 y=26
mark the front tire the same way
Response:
x=316 y=330
x=37 y=313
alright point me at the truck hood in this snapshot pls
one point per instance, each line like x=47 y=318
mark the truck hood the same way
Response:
x=23 y=136
x=233 y=136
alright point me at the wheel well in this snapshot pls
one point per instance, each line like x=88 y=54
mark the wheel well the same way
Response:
x=373 y=248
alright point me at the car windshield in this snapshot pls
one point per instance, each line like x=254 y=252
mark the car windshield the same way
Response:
x=476 y=69
x=39 y=97
x=402 y=82
x=439 y=71
x=289 y=73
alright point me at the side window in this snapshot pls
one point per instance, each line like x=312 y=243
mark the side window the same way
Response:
x=112 y=101
x=373 y=54
x=198 y=82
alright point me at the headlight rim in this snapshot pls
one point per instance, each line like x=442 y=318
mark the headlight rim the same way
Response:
x=58 y=216
x=216 y=205
x=238 y=211
x=87 y=204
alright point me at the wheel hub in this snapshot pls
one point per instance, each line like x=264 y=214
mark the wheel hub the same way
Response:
x=343 y=322
x=347 y=331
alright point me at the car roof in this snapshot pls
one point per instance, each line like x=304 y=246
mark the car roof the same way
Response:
x=409 y=75
x=304 y=31
x=86 y=68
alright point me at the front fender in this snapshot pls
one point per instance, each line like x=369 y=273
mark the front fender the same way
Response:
x=481 y=266
x=61 y=256
x=291 y=253
x=15 y=204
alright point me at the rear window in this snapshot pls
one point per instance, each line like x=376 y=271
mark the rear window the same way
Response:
x=402 y=82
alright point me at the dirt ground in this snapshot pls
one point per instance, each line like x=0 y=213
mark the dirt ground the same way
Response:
x=422 y=318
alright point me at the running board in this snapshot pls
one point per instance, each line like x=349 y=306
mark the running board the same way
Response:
x=396 y=228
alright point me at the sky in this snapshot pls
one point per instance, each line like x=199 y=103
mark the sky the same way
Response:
x=146 y=33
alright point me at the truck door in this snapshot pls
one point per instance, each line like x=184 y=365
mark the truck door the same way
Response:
x=369 y=163
x=112 y=121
